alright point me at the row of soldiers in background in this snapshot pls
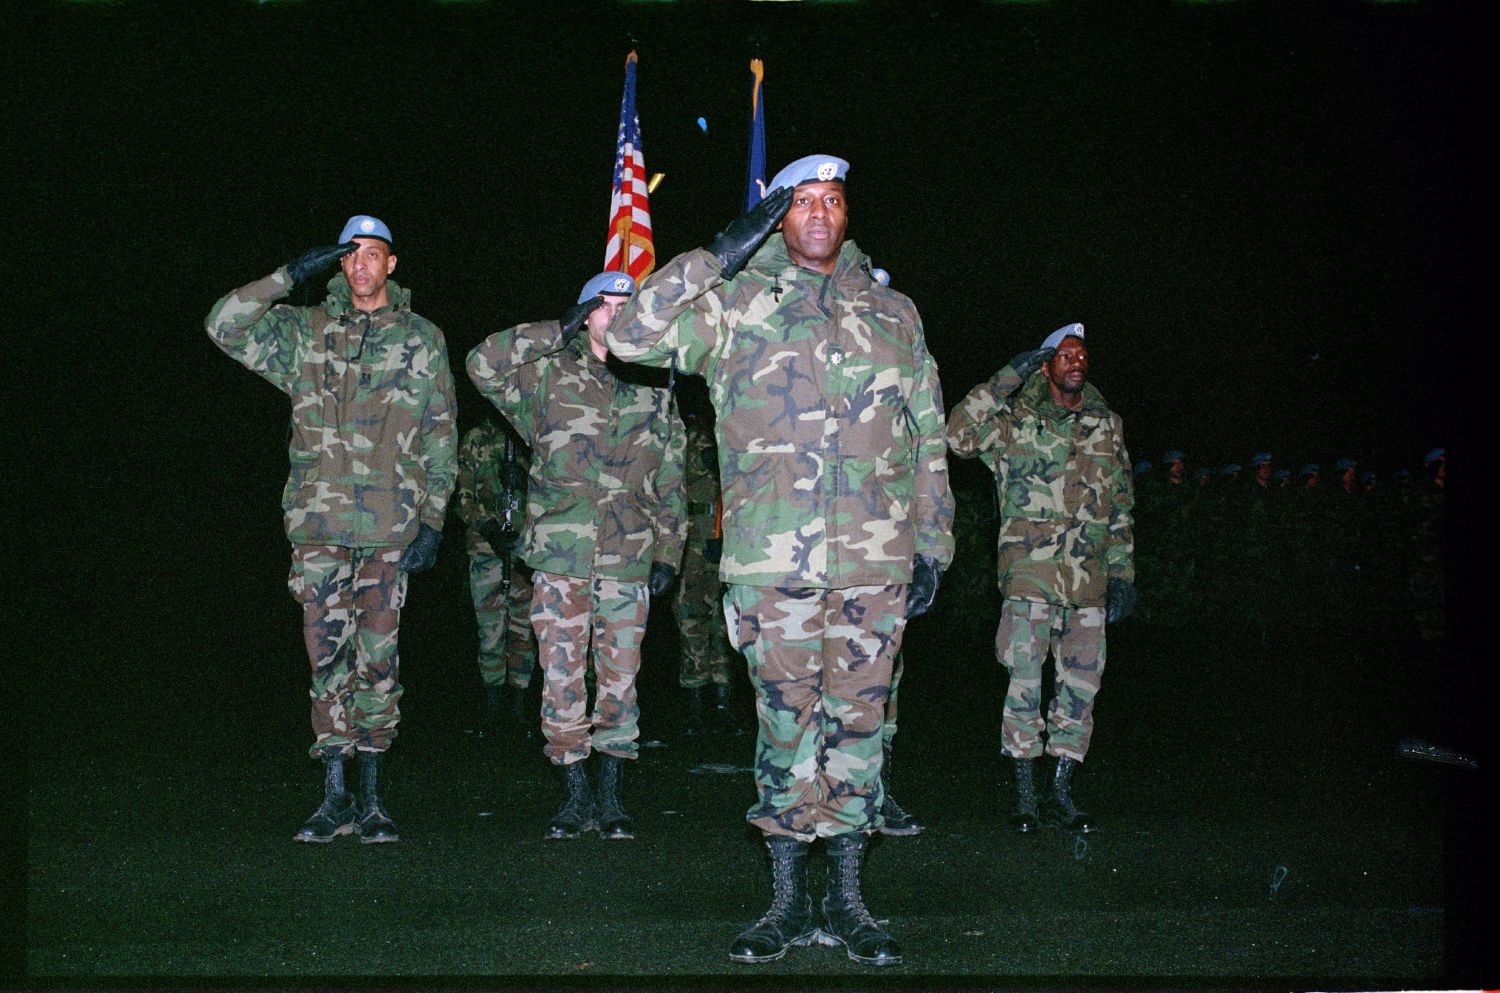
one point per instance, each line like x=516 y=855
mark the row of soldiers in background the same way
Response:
x=492 y=473
x=1275 y=549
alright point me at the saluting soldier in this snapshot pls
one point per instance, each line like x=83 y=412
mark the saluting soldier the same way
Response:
x=604 y=529
x=1066 y=548
x=372 y=467
x=837 y=517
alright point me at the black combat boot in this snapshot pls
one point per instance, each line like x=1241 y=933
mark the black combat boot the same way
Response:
x=374 y=825
x=576 y=815
x=609 y=811
x=336 y=814
x=1023 y=818
x=845 y=918
x=493 y=719
x=789 y=921
x=724 y=716
x=694 y=724
x=1057 y=809
x=897 y=821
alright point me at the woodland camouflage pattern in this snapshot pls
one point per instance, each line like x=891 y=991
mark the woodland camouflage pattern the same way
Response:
x=482 y=482
x=373 y=438
x=698 y=604
x=501 y=596
x=1063 y=484
x=605 y=492
x=820 y=662
x=830 y=416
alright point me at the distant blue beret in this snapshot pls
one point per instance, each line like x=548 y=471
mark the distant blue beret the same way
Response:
x=1230 y=469
x=1144 y=465
x=1172 y=455
x=1367 y=476
x=1343 y=464
x=1054 y=340
x=365 y=226
x=810 y=169
x=1260 y=457
x=1281 y=474
x=613 y=283
x=1402 y=473
x=880 y=276
x=1200 y=473
x=1308 y=469
x=1435 y=454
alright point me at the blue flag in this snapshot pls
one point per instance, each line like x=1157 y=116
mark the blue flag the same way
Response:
x=755 y=175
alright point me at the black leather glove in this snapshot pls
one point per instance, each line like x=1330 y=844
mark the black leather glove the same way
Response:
x=925 y=576
x=662 y=576
x=1119 y=601
x=314 y=261
x=421 y=554
x=735 y=244
x=574 y=316
x=502 y=540
x=713 y=550
x=1029 y=362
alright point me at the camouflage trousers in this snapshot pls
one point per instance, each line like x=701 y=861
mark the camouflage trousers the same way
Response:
x=569 y=614
x=351 y=609
x=698 y=608
x=888 y=726
x=1075 y=636
x=820 y=661
x=507 y=643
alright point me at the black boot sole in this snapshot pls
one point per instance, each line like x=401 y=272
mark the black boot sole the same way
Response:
x=824 y=938
x=809 y=938
x=314 y=839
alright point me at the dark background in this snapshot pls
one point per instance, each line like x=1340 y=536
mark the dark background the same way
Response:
x=1267 y=216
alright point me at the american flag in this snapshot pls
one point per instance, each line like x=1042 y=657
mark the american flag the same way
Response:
x=755 y=175
x=629 y=247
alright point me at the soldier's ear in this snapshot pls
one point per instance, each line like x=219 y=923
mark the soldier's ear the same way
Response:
x=390 y=264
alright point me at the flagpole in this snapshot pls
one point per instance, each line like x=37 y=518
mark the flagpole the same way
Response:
x=625 y=229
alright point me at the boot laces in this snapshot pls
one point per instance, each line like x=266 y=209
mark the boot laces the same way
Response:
x=854 y=903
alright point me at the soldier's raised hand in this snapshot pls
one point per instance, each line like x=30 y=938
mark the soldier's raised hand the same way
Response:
x=1027 y=362
x=315 y=260
x=736 y=243
x=574 y=316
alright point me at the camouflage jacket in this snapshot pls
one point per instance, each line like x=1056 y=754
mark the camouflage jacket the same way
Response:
x=830 y=417
x=486 y=484
x=605 y=494
x=372 y=435
x=1063 y=484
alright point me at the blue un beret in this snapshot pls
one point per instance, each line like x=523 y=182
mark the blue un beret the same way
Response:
x=365 y=226
x=1144 y=465
x=1260 y=457
x=1054 y=340
x=617 y=284
x=810 y=169
x=1172 y=455
x=1343 y=464
x=1435 y=454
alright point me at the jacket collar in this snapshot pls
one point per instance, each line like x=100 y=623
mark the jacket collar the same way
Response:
x=772 y=260
x=1036 y=396
x=340 y=301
